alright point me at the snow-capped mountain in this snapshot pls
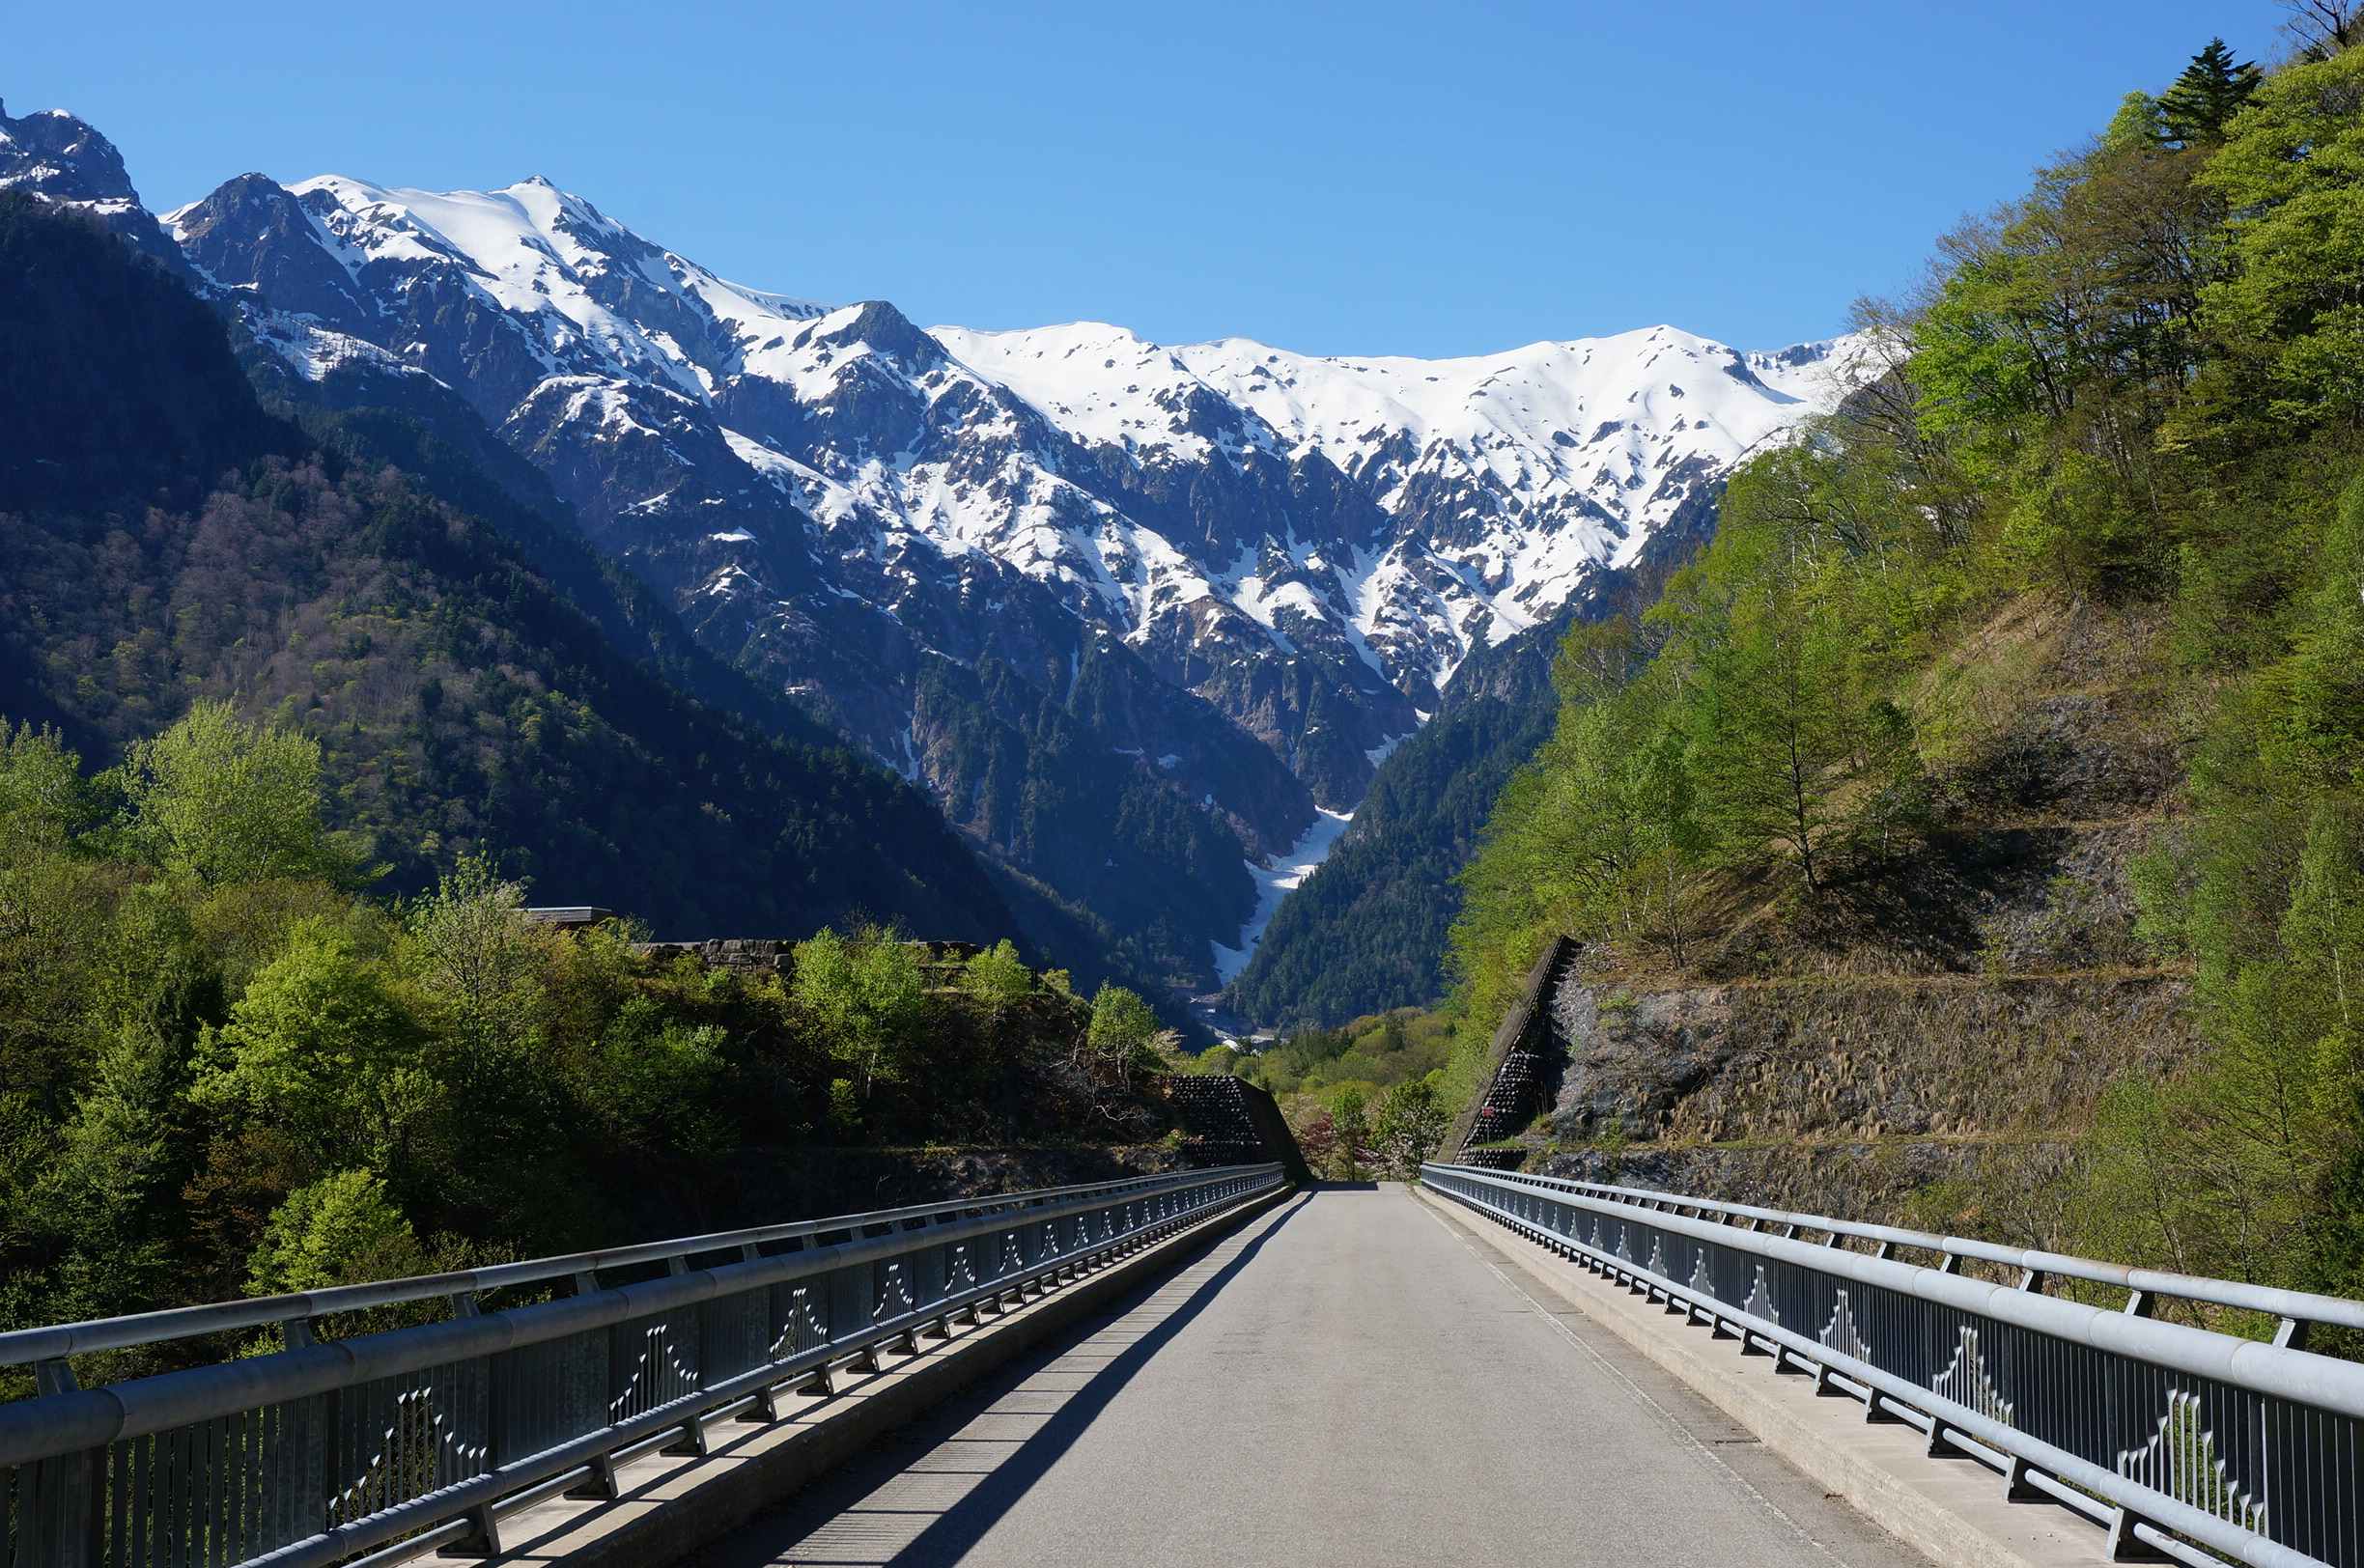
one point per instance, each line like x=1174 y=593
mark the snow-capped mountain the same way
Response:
x=54 y=158
x=1098 y=593
x=1508 y=479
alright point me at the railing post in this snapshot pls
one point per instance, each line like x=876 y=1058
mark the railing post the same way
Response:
x=59 y=1521
x=2124 y=1544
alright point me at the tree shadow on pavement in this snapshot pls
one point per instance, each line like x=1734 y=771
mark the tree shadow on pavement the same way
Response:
x=926 y=1496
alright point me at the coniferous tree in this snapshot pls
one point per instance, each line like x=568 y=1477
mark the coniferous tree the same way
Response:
x=2195 y=111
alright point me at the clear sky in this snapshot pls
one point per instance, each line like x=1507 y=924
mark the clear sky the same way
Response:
x=1367 y=177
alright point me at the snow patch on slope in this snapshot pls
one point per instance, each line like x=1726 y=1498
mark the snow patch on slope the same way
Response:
x=555 y=261
x=1274 y=882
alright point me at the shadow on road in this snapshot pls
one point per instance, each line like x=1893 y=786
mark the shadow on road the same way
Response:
x=927 y=1496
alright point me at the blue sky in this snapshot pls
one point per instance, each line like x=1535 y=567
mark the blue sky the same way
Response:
x=1365 y=178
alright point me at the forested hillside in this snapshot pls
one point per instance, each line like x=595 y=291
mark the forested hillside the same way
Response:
x=166 y=539
x=284 y=733
x=1367 y=933
x=224 y=1070
x=2031 y=680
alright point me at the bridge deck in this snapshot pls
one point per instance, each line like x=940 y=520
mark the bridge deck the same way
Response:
x=1347 y=1380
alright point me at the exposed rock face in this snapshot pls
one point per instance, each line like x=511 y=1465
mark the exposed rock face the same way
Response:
x=54 y=158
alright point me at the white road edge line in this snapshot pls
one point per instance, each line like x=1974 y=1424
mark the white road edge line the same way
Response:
x=1639 y=1393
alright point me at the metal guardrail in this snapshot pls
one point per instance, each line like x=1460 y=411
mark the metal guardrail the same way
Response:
x=2199 y=1445
x=2296 y=1310
x=424 y=1437
x=50 y=1346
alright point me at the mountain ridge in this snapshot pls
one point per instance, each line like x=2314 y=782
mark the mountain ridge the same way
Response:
x=467 y=702
x=1272 y=563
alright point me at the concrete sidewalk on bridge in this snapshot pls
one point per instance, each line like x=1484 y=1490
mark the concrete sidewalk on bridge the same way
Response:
x=1347 y=1380
x=1953 y=1509
x=671 y=1503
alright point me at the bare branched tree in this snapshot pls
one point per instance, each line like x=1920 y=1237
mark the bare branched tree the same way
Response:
x=2323 y=27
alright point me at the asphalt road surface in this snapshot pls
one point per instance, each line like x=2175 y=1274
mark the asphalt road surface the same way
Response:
x=1350 y=1381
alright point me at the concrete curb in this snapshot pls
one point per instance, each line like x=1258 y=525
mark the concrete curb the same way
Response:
x=672 y=1504
x=1951 y=1510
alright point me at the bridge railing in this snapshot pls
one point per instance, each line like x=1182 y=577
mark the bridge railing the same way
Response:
x=2199 y=1445
x=423 y=1437
x=2294 y=1311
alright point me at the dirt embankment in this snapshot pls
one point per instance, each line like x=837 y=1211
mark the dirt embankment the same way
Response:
x=1929 y=1038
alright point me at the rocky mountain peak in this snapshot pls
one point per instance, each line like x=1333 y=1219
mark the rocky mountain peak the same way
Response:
x=54 y=157
x=880 y=328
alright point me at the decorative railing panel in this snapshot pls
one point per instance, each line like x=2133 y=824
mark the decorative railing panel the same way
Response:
x=2199 y=1444
x=423 y=1437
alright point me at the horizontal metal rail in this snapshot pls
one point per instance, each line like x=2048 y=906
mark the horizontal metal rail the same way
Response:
x=2199 y=1445
x=2295 y=1309
x=426 y=1436
x=25 y=1346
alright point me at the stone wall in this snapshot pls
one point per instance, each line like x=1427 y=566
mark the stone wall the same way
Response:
x=1860 y=1059
x=776 y=954
x=1227 y=1120
x=1523 y=1062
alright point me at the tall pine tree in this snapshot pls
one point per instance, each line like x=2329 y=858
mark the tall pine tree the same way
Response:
x=2195 y=111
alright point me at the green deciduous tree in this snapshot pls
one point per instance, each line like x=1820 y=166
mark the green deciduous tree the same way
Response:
x=480 y=961
x=1124 y=1030
x=865 y=998
x=323 y=1047
x=2288 y=308
x=1778 y=730
x=1410 y=1124
x=658 y=1080
x=341 y=1229
x=222 y=802
x=44 y=800
x=997 y=978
